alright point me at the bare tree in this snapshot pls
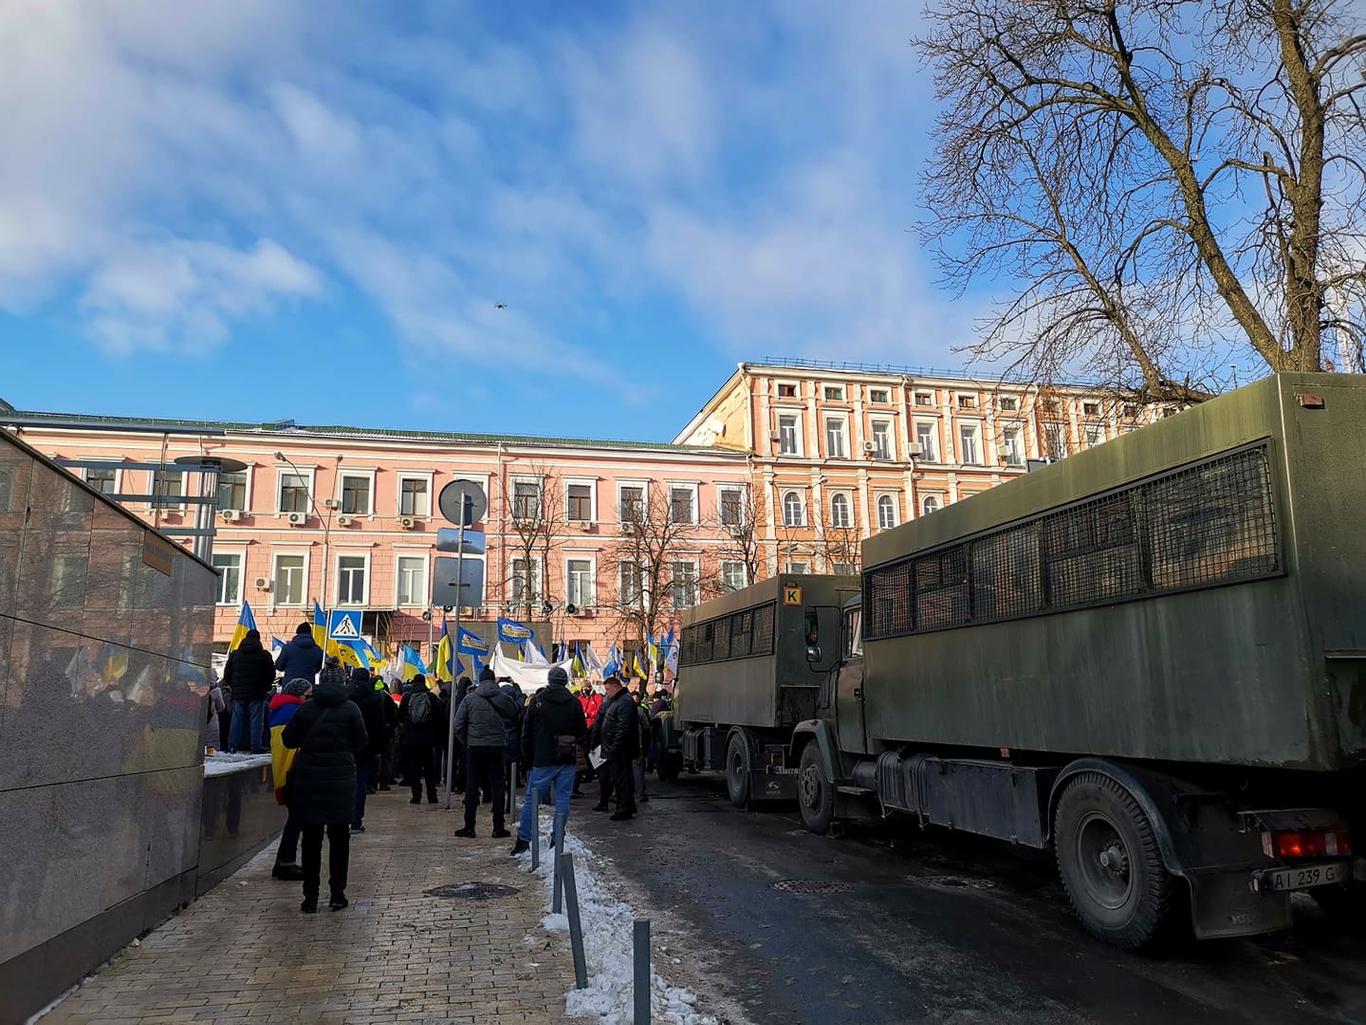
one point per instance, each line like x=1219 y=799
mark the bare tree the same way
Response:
x=841 y=546
x=742 y=527
x=1176 y=184
x=534 y=503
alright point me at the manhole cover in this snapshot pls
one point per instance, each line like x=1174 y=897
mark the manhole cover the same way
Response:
x=811 y=886
x=472 y=891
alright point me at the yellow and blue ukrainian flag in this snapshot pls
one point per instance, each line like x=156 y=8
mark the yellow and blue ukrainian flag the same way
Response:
x=245 y=621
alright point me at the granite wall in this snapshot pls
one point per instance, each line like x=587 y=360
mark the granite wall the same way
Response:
x=105 y=632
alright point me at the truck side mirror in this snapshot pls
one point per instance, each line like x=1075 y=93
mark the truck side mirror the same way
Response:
x=813 y=653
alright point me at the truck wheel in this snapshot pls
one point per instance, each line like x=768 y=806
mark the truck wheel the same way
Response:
x=1109 y=862
x=737 y=769
x=815 y=793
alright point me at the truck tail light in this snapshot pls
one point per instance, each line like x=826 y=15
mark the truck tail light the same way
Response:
x=1317 y=843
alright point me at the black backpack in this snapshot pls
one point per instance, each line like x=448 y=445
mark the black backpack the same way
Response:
x=420 y=708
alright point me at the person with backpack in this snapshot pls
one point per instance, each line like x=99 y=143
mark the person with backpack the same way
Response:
x=301 y=658
x=249 y=673
x=329 y=733
x=552 y=727
x=481 y=727
x=417 y=717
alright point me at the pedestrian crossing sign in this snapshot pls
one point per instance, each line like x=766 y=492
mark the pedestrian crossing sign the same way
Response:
x=344 y=625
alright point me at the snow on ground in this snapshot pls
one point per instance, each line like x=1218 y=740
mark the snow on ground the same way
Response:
x=220 y=762
x=608 y=940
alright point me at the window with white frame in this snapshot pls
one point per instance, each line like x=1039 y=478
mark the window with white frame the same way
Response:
x=787 y=391
x=631 y=503
x=683 y=503
x=289 y=576
x=789 y=434
x=411 y=572
x=794 y=510
x=1095 y=435
x=683 y=587
x=293 y=492
x=733 y=575
x=229 y=566
x=929 y=504
x=355 y=494
x=579 y=583
x=526 y=500
x=967 y=402
x=841 y=514
x=882 y=439
x=844 y=569
x=970 y=444
x=927 y=437
x=796 y=566
x=579 y=502
x=102 y=479
x=924 y=398
x=232 y=490
x=732 y=506
x=352 y=574
x=881 y=396
x=526 y=581
x=414 y=495
x=1013 y=437
x=886 y=512
x=834 y=393
x=1009 y=403
x=836 y=446
x=630 y=590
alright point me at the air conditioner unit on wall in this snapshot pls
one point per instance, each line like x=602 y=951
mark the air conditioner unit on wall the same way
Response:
x=915 y=450
x=231 y=515
x=262 y=584
x=585 y=525
x=868 y=446
x=407 y=522
x=345 y=521
x=297 y=519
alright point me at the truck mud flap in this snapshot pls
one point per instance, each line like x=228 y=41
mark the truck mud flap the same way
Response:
x=1223 y=904
x=772 y=786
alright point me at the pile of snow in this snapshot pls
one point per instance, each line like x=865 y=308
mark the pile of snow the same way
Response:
x=220 y=762
x=608 y=941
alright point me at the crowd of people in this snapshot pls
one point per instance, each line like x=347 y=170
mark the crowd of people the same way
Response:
x=335 y=741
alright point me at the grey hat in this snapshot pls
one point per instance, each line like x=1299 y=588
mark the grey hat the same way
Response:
x=557 y=677
x=297 y=687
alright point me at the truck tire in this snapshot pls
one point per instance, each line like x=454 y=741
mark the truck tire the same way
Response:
x=737 y=769
x=815 y=793
x=1109 y=862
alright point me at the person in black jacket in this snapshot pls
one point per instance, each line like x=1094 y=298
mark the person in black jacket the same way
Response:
x=419 y=715
x=371 y=705
x=481 y=727
x=620 y=729
x=329 y=732
x=552 y=727
x=301 y=658
x=249 y=673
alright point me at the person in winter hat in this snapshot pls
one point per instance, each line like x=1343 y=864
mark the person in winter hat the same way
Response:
x=283 y=706
x=418 y=715
x=301 y=658
x=249 y=673
x=371 y=704
x=334 y=672
x=481 y=726
x=552 y=727
x=329 y=733
x=619 y=726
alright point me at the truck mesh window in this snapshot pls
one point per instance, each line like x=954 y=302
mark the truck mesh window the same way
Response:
x=742 y=633
x=687 y=652
x=738 y=635
x=763 y=631
x=1210 y=523
x=704 y=641
x=720 y=647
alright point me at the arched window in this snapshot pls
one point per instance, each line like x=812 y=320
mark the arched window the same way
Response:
x=840 y=515
x=886 y=512
x=794 y=513
x=930 y=504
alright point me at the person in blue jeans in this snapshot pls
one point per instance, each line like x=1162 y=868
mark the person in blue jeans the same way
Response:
x=249 y=674
x=552 y=728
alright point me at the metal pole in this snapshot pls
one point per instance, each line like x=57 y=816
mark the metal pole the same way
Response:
x=536 y=830
x=455 y=648
x=571 y=898
x=556 y=903
x=641 y=989
x=512 y=788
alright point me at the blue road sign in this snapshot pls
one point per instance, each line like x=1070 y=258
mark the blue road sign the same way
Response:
x=344 y=625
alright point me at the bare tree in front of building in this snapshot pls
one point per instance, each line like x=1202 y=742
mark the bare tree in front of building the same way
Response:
x=1176 y=184
x=742 y=526
x=535 y=512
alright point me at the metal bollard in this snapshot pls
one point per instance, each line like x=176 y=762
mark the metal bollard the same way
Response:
x=512 y=790
x=556 y=903
x=571 y=897
x=536 y=830
x=641 y=988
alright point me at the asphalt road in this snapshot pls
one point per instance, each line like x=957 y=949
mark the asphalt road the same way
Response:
x=879 y=926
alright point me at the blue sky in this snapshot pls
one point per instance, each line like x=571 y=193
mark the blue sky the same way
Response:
x=261 y=210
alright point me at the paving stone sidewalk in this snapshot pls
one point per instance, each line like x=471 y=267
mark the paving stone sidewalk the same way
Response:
x=245 y=953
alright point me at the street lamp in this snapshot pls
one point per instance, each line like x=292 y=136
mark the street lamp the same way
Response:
x=327 y=522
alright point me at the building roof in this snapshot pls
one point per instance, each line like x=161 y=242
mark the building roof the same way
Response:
x=287 y=428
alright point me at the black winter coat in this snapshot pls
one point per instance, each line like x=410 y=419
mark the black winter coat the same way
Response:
x=371 y=703
x=512 y=747
x=620 y=728
x=482 y=718
x=329 y=732
x=552 y=712
x=300 y=659
x=420 y=734
x=249 y=673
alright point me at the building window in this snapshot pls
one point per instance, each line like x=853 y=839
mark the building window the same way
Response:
x=579 y=581
x=1055 y=441
x=924 y=398
x=167 y=484
x=967 y=402
x=526 y=500
x=629 y=590
x=1049 y=405
x=835 y=446
x=1010 y=404
x=229 y=578
x=683 y=587
x=631 y=499
x=102 y=480
x=834 y=393
x=580 y=503
x=840 y=513
x=800 y=568
x=1131 y=411
x=683 y=505
x=232 y=490
x=1014 y=446
x=733 y=576
x=414 y=496
x=289 y=580
x=879 y=395
x=788 y=443
x=293 y=492
x=971 y=449
x=1095 y=435
x=355 y=494
x=1091 y=408
x=526 y=582
x=886 y=512
x=732 y=507
x=412 y=580
x=925 y=437
x=787 y=391
x=882 y=439
x=351 y=574
x=794 y=512
x=844 y=569
x=929 y=504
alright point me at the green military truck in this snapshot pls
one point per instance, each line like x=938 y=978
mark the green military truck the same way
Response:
x=1149 y=657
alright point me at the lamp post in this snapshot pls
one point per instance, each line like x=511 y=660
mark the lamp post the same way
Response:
x=327 y=528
